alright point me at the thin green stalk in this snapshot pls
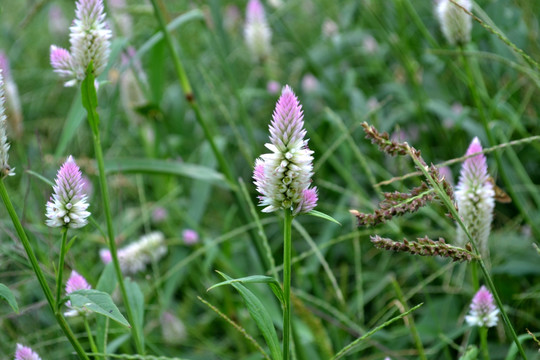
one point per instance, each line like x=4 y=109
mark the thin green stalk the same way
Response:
x=474 y=277
x=483 y=342
x=89 y=100
x=412 y=326
x=287 y=250
x=90 y=336
x=453 y=211
x=39 y=274
x=61 y=267
x=223 y=163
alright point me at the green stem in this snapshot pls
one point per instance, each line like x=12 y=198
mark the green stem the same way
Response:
x=39 y=273
x=61 y=267
x=483 y=342
x=451 y=207
x=474 y=276
x=223 y=163
x=89 y=100
x=90 y=336
x=287 y=250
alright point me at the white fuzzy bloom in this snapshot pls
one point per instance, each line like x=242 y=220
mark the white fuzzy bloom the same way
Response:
x=135 y=256
x=5 y=170
x=257 y=31
x=456 y=24
x=476 y=199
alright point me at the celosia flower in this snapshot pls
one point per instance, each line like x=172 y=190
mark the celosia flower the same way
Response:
x=25 y=353
x=67 y=206
x=483 y=310
x=135 y=256
x=74 y=283
x=476 y=199
x=5 y=170
x=256 y=31
x=191 y=237
x=159 y=214
x=13 y=102
x=273 y=87
x=283 y=177
x=90 y=42
x=456 y=24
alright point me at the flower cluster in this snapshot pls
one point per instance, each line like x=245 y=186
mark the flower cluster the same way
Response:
x=456 y=24
x=425 y=247
x=67 y=206
x=25 y=353
x=5 y=170
x=256 y=31
x=476 y=199
x=283 y=177
x=90 y=42
x=483 y=310
x=13 y=101
x=135 y=256
x=74 y=283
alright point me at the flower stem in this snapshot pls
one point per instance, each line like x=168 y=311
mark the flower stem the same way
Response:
x=61 y=267
x=39 y=273
x=90 y=336
x=89 y=100
x=483 y=342
x=287 y=249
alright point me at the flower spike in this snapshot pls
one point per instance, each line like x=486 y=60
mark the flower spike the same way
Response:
x=483 y=310
x=68 y=204
x=5 y=170
x=25 y=353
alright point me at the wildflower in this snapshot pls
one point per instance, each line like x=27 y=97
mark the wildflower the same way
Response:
x=90 y=42
x=58 y=23
x=329 y=29
x=272 y=87
x=483 y=310
x=475 y=198
x=283 y=177
x=13 y=102
x=256 y=31
x=310 y=83
x=74 y=283
x=191 y=237
x=67 y=206
x=5 y=170
x=135 y=256
x=25 y=353
x=456 y=24
x=159 y=214
x=173 y=330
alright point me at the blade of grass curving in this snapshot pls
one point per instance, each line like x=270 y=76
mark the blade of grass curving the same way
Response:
x=261 y=317
x=239 y=328
x=352 y=345
x=275 y=286
x=6 y=293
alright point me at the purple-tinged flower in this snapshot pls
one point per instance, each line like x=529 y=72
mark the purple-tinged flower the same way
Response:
x=330 y=29
x=25 y=353
x=476 y=199
x=13 y=102
x=58 y=24
x=483 y=310
x=310 y=83
x=90 y=42
x=5 y=170
x=135 y=256
x=74 y=283
x=273 y=87
x=159 y=214
x=173 y=330
x=257 y=31
x=190 y=236
x=456 y=24
x=67 y=206
x=283 y=177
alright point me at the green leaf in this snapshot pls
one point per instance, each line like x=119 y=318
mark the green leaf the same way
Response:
x=261 y=317
x=99 y=302
x=260 y=279
x=323 y=216
x=108 y=280
x=470 y=354
x=156 y=166
x=136 y=299
x=9 y=297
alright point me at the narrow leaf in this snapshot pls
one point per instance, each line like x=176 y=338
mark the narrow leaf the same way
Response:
x=136 y=299
x=260 y=279
x=323 y=216
x=9 y=297
x=261 y=317
x=99 y=302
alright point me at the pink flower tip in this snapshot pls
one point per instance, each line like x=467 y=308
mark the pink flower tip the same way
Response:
x=190 y=236
x=76 y=282
x=255 y=11
x=25 y=353
x=483 y=311
x=105 y=255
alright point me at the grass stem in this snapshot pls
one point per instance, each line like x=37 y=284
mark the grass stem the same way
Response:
x=287 y=250
x=60 y=269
